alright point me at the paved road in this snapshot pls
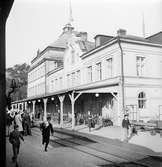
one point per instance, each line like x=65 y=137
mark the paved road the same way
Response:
x=68 y=151
x=32 y=155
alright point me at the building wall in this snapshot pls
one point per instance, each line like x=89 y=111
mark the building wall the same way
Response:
x=36 y=81
x=149 y=82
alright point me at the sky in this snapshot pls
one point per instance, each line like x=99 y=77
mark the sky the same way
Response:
x=34 y=24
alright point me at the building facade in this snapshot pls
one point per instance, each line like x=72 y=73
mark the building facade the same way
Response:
x=111 y=76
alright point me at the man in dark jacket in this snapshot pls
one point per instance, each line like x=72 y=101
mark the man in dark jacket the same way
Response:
x=27 y=124
x=14 y=139
x=46 y=128
x=126 y=125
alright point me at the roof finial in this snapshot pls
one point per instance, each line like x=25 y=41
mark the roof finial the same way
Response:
x=70 y=13
x=143 y=25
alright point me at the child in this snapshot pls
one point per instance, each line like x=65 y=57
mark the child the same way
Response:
x=126 y=125
x=46 y=128
x=14 y=139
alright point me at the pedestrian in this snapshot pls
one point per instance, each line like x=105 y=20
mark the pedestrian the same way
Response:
x=46 y=128
x=27 y=123
x=18 y=121
x=126 y=125
x=59 y=117
x=9 y=120
x=89 y=121
x=14 y=139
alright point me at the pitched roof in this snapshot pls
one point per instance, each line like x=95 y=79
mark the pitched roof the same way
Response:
x=156 y=38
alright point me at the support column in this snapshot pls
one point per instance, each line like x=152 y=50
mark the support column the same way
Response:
x=26 y=105
x=18 y=107
x=34 y=108
x=45 y=109
x=120 y=108
x=73 y=99
x=61 y=98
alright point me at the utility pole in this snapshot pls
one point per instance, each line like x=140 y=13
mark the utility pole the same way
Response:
x=5 y=7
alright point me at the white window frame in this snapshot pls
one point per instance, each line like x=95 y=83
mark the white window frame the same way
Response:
x=142 y=100
x=109 y=67
x=98 y=71
x=89 y=74
x=140 y=65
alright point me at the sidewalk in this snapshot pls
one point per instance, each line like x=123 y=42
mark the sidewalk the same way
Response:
x=143 y=138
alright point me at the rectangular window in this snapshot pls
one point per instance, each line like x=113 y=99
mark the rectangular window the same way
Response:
x=73 y=78
x=56 y=84
x=98 y=71
x=89 y=74
x=109 y=68
x=72 y=57
x=52 y=85
x=68 y=80
x=140 y=65
x=60 y=84
x=78 y=77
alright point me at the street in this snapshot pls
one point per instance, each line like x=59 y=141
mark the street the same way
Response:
x=65 y=150
x=32 y=154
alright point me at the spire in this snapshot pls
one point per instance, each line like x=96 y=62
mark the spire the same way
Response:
x=70 y=13
x=143 y=25
x=68 y=27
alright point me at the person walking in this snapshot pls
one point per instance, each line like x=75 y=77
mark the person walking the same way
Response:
x=14 y=139
x=27 y=124
x=18 y=121
x=9 y=120
x=89 y=121
x=46 y=128
x=126 y=125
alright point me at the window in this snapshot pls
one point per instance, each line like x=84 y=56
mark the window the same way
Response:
x=78 y=77
x=72 y=57
x=109 y=68
x=56 y=84
x=73 y=78
x=141 y=100
x=55 y=64
x=140 y=65
x=52 y=85
x=98 y=71
x=89 y=74
x=68 y=80
x=60 y=85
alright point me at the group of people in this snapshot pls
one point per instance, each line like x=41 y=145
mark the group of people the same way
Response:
x=22 y=127
x=21 y=123
x=128 y=130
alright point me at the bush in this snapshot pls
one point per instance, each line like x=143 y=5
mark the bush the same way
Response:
x=107 y=122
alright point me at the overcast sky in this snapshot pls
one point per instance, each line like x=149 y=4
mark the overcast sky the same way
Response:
x=34 y=24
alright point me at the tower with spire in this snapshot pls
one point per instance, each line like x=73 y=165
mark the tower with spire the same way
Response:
x=68 y=26
x=143 y=25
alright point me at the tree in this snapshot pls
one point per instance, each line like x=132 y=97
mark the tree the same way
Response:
x=20 y=73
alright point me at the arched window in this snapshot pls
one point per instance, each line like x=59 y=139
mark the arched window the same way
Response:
x=141 y=100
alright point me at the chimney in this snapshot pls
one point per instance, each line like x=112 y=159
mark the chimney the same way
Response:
x=121 y=32
x=83 y=36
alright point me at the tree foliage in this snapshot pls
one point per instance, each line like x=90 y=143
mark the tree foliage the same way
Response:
x=19 y=72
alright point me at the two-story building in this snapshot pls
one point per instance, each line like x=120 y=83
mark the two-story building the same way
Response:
x=113 y=75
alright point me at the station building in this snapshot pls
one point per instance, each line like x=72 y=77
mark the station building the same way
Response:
x=108 y=77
